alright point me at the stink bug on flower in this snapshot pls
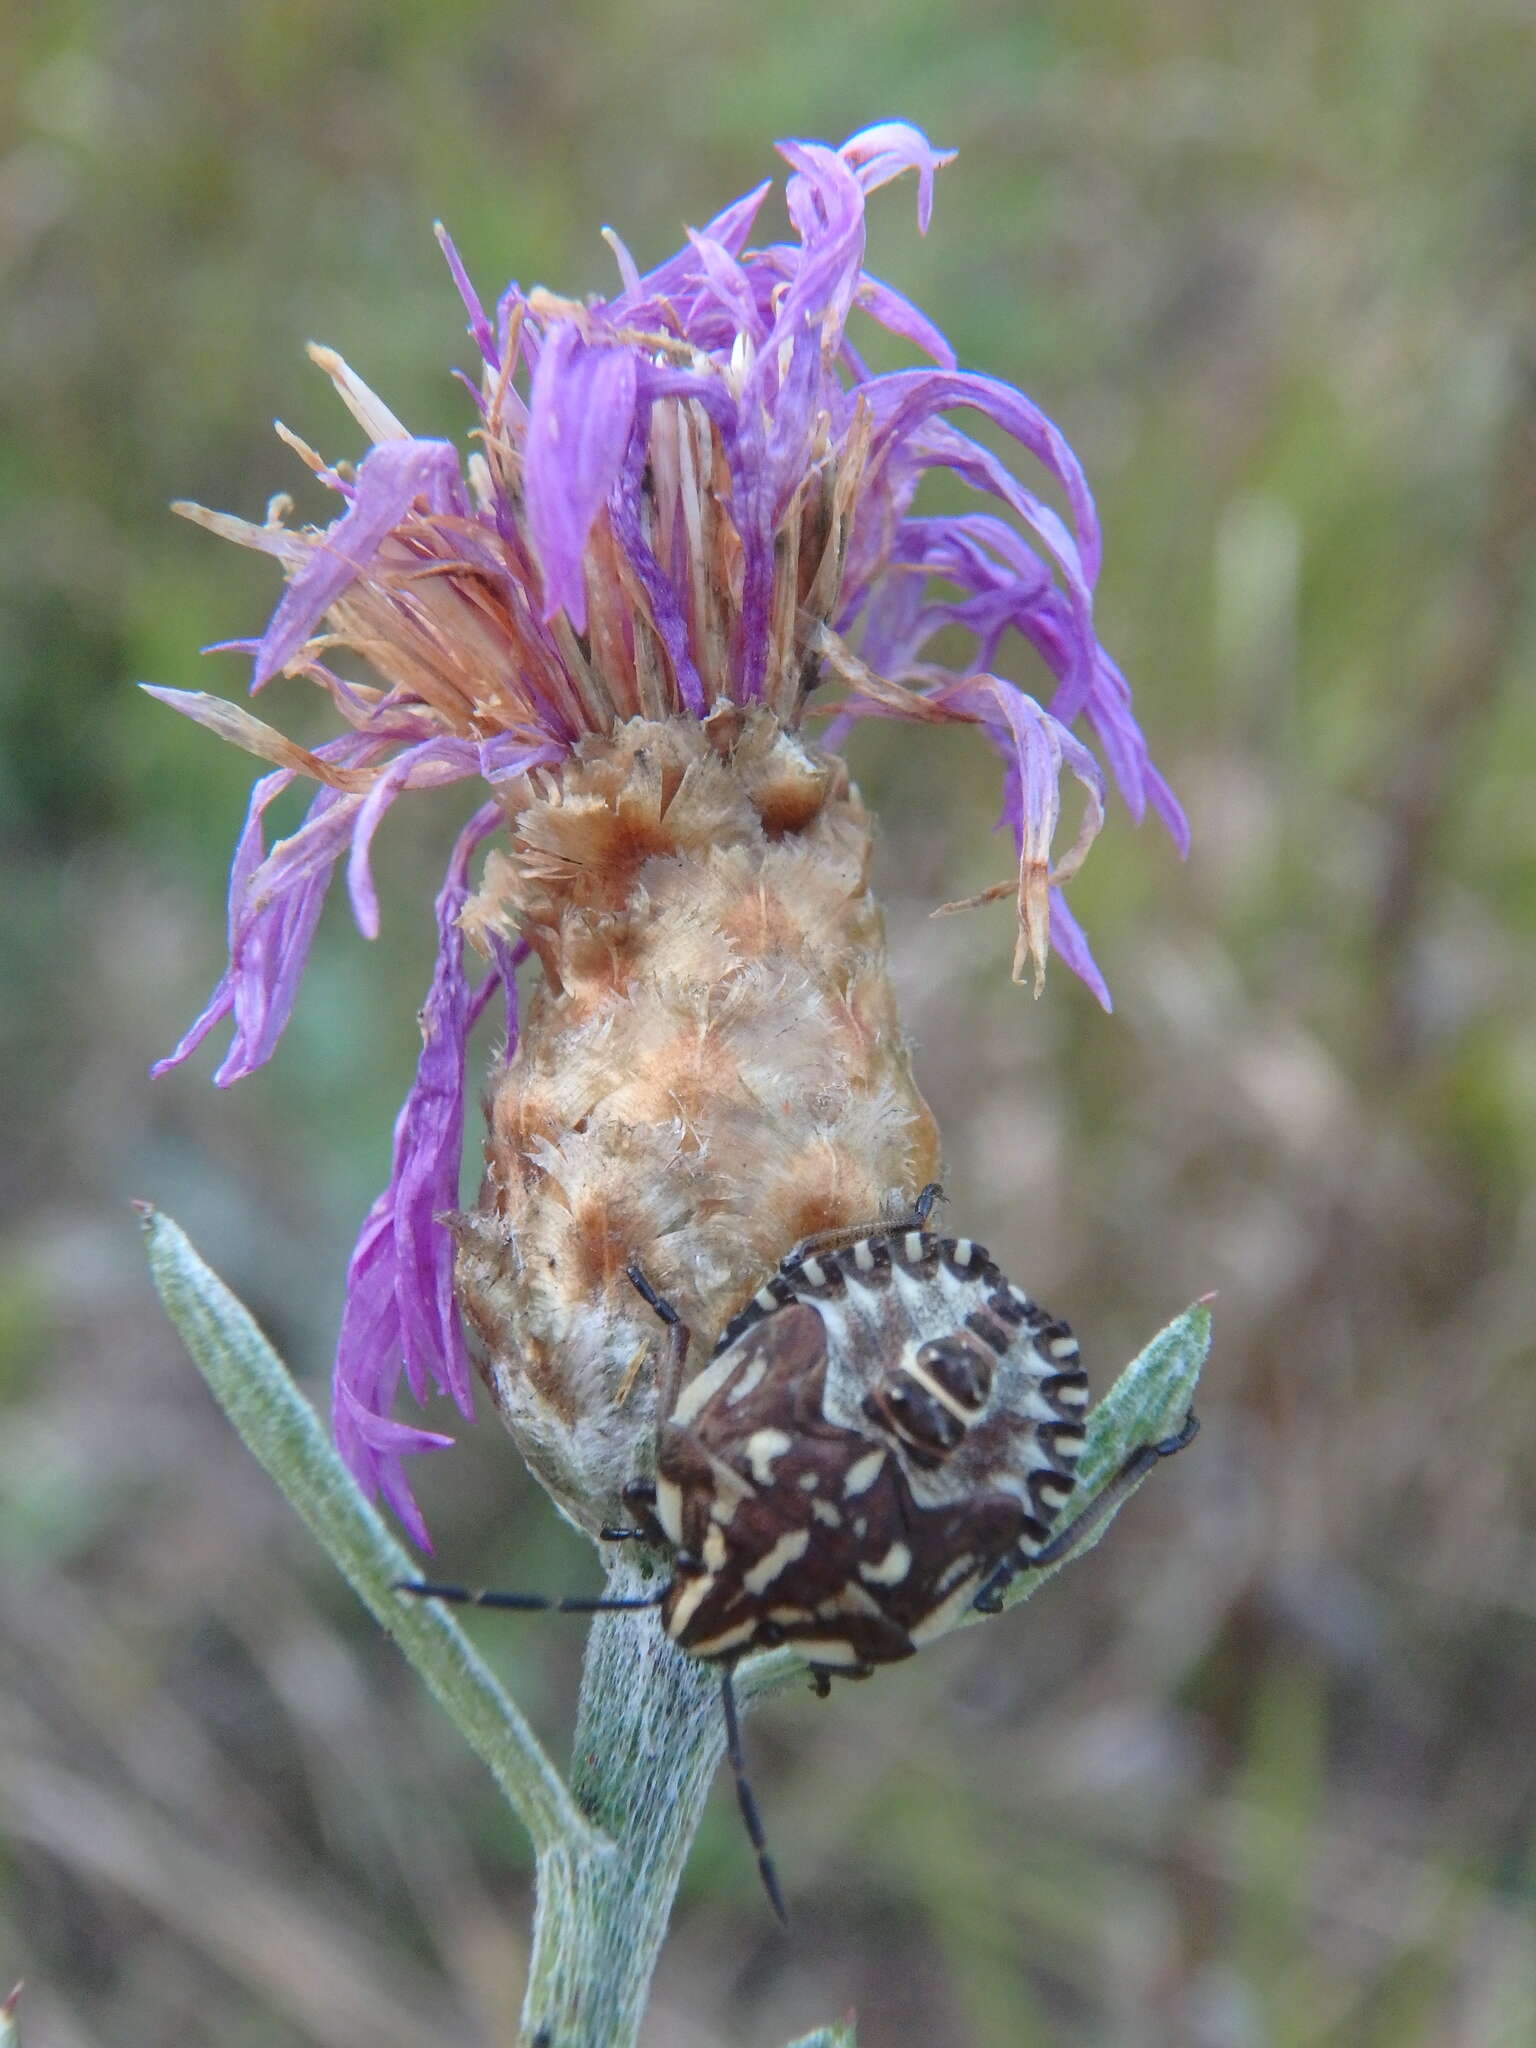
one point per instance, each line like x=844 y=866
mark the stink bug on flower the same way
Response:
x=885 y=1436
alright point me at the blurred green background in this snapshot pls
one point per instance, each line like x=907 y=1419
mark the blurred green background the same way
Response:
x=1261 y=1772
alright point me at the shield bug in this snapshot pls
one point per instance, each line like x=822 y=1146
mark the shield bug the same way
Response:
x=885 y=1435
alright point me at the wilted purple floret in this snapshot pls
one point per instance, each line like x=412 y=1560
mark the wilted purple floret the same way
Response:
x=646 y=468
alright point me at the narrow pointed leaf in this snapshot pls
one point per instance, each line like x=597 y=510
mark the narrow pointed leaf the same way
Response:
x=1149 y=1404
x=281 y=1430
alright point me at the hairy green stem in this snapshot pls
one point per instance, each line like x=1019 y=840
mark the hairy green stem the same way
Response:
x=649 y=1733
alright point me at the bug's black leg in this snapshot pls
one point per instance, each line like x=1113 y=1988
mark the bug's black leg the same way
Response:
x=639 y=1498
x=670 y=1377
x=990 y=1598
x=744 y=1799
x=524 y=1603
x=648 y=1294
x=821 y=1684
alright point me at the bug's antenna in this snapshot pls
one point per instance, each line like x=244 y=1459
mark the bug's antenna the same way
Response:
x=747 y=1803
x=525 y=1603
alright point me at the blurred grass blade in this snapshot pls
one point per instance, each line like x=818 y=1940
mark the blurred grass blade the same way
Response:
x=281 y=1430
x=840 y=2036
x=1149 y=1404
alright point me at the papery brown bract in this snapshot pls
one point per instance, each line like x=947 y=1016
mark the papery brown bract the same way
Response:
x=710 y=1068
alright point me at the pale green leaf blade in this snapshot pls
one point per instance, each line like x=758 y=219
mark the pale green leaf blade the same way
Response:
x=281 y=1430
x=1150 y=1403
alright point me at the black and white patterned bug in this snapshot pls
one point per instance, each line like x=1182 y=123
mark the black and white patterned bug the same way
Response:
x=885 y=1436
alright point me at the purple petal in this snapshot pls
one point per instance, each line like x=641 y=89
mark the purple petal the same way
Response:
x=433 y=765
x=1070 y=943
x=275 y=901
x=729 y=284
x=826 y=209
x=581 y=415
x=897 y=315
x=508 y=755
x=390 y=478
x=729 y=228
x=891 y=147
x=907 y=400
x=400 y=1315
x=371 y=1447
x=666 y=610
x=481 y=330
x=1169 y=809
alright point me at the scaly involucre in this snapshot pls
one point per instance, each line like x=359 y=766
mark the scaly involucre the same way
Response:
x=691 y=497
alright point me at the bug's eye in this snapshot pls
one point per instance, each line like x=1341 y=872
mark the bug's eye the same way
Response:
x=960 y=1366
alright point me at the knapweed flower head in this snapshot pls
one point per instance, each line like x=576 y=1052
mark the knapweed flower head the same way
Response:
x=689 y=506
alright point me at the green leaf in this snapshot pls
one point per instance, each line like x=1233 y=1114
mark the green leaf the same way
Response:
x=281 y=1430
x=1149 y=1405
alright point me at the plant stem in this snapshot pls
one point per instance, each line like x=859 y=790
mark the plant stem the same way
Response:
x=649 y=1734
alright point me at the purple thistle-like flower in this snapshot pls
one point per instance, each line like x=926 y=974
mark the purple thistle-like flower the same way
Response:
x=693 y=493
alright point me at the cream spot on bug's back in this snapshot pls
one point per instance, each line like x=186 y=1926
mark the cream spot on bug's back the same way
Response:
x=714 y=1547
x=669 y=1509
x=863 y=1473
x=824 y=1511
x=708 y=1383
x=747 y=1383
x=695 y=1592
x=838 y=1654
x=714 y=1646
x=891 y=1569
x=764 y=1447
x=787 y=1551
x=945 y=1614
x=961 y=1568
